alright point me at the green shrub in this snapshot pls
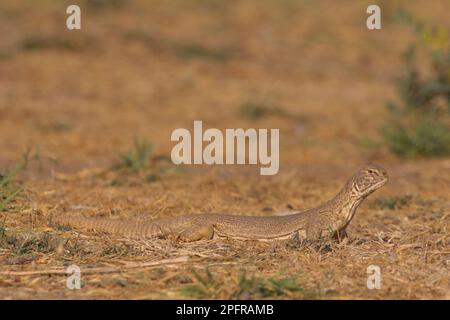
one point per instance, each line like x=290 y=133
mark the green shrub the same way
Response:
x=394 y=202
x=420 y=124
x=428 y=137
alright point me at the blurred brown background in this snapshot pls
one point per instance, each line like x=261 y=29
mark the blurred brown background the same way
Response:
x=144 y=68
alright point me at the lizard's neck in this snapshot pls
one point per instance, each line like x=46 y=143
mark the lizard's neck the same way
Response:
x=345 y=207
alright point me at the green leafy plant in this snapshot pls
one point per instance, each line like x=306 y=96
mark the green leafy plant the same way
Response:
x=420 y=124
x=427 y=137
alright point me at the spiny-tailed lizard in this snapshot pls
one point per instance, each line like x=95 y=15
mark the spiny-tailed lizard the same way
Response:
x=327 y=220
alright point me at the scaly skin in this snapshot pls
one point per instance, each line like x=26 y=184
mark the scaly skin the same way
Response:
x=328 y=220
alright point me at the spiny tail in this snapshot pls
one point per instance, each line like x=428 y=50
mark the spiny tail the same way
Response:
x=131 y=229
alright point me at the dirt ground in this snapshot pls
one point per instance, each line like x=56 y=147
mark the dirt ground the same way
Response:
x=77 y=99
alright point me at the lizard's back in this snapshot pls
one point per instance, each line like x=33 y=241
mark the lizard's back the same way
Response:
x=225 y=225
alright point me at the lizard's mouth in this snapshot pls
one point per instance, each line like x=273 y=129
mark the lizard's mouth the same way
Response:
x=379 y=185
x=374 y=187
x=382 y=182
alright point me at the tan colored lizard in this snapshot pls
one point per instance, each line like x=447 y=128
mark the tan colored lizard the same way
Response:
x=327 y=220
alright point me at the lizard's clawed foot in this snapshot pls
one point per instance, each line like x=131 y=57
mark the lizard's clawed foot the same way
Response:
x=297 y=242
x=294 y=241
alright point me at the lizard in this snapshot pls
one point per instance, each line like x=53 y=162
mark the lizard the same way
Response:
x=329 y=219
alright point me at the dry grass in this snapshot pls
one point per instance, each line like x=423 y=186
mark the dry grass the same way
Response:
x=322 y=68
x=409 y=242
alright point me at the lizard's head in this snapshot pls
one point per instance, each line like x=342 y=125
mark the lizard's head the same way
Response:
x=367 y=180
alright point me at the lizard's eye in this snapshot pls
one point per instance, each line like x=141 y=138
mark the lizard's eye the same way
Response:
x=372 y=172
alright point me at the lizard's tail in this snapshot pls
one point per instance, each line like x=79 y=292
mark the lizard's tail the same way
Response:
x=132 y=229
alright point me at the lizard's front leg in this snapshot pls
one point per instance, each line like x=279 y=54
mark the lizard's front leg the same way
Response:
x=316 y=232
x=342 y=236
x=197 y=232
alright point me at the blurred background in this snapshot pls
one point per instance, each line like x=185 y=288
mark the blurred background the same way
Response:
x=339 y=92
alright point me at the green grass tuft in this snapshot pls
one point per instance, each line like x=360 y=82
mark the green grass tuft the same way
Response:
x=2 y=231
x=392 y=203
x=196 y=50
x=29 y=243
x=138 y=157
x=56 y=42
x=209 y=287
x=258 y=110
x=9 y=188
x=258 y=287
